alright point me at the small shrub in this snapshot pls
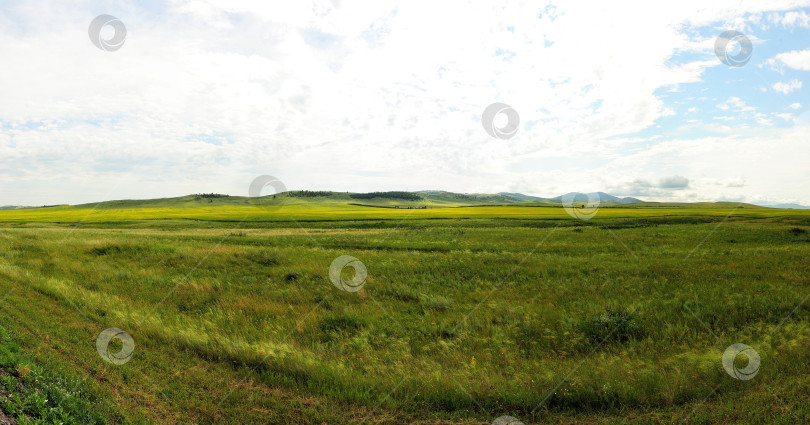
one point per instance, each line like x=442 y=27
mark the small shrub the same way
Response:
x=341 y=324
x=291 y=276
x=116 y=249
x=8 y=383
x=323 y=302
x=447 y=332
x=614 y=325
x=23 y=370
x=36 y=404
x=401 y=292
x=263 y=258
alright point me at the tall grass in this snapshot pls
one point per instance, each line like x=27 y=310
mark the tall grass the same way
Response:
x=456 y=314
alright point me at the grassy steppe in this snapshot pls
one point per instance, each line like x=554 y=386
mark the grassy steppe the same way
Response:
x=335 y=211
x=469 y=313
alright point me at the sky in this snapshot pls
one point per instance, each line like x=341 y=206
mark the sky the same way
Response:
x=628 y=98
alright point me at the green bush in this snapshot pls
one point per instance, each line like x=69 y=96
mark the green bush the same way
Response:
x=614 y=325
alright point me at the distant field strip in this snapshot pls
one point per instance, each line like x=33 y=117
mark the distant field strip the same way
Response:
x=352 y=212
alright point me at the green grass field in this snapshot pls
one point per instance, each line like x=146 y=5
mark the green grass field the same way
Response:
x=468 y=313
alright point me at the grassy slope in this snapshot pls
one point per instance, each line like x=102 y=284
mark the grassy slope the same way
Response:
x=436 y=199
x=240 y=310
x=342 y=207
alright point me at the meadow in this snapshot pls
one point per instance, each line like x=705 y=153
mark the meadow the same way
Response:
x=467 y=314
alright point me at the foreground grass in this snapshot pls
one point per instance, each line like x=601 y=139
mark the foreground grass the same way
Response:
x=32 y=395
x=608 y=321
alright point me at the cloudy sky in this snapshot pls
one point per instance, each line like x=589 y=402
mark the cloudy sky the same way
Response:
x=629 y=98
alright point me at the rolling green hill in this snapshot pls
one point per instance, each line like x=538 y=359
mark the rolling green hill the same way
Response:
x=427 y=198
x=320 y=198
x=380 y=200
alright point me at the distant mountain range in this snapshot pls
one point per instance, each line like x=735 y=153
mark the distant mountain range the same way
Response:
x=786 y=206
x=431 y=198
x=21 y=207
x=574 y=197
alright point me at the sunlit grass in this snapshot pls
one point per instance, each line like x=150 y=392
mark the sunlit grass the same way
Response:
x=320 y=212
x=610 y=312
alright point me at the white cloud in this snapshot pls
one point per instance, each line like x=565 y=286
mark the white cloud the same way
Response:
x=787 y=87
x=742 y=167
x=204 y=95
x=791 y=19
x=796 y=59
x=735 y=103
x=673 y=182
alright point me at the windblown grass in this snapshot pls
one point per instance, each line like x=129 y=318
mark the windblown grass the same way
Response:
x=622 y=317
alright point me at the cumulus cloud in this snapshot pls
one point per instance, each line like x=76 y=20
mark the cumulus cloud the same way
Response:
x=787 y=87
x=378 y=95
x=796 y=59
x=673 y=182
x=791 y=19
x=644 y=187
